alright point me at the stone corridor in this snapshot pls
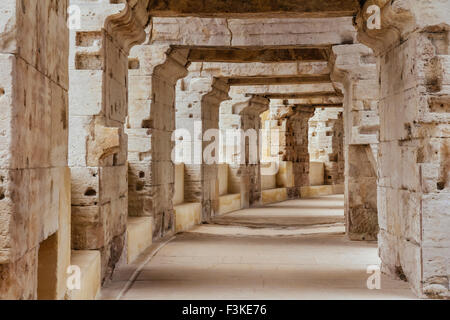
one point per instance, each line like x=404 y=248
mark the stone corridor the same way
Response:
x=126 y=123
x=290 y=250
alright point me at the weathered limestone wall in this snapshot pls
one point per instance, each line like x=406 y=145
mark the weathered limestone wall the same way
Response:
x=154 y=72
x=355 y=73
x=198 y=100
x=34 y=178
x=413 y=164
x=98 y=106
x=326 y=143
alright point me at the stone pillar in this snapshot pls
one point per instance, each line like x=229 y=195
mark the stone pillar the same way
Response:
x=412 y=49
x=198 y=102
x=98 y=107
x=293 y=125
x=242 y=114
x=34 y=176
x=326 y=143
x=297 y=147
x=355 y=73
x=274 y=120
x=154 y=72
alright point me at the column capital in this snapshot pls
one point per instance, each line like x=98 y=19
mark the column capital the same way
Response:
x=125 y=22
x=249 y=104
x=352 y=62
x=398 y=19
x=355 y=73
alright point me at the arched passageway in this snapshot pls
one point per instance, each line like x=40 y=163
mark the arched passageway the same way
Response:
x=88 y=115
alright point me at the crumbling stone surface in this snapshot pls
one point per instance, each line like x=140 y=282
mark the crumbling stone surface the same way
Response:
x=19 y=279
x=154 y=72
x=326 y=143
x=355 y=73
x=33 y=149
x=98 y=145
x=97 y=142
x=413 y=171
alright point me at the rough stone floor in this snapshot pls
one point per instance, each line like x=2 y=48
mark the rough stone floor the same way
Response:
x=290 y=250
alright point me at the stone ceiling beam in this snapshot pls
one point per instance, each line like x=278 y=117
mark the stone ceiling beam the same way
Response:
x=258 y=69
x=251 y=81
x=252 y=8
x=237 y=55
x=324 y=105
x=286 y=89
x=308 y=95
x=248 y=33
x=317 y=100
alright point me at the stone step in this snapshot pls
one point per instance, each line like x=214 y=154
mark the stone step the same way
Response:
x=318 y=191
x=139 y=236
x=229 y=203
x=89 y=264
x=274 y=195
x=187 y=215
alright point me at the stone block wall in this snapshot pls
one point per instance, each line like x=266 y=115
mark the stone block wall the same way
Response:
x=413 y=157
x=34 y=178
x=98 y=144
x=414 y=181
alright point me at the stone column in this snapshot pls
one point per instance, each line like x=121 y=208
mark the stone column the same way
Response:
x=355 y=73
x=293 y=125
x=412 y=49
x=297 y=147
x=98 y=106
x=242 y=114
x=275 y=119
x=326 y=143
x=198 y=101
x=154 y=72
x=34 y=176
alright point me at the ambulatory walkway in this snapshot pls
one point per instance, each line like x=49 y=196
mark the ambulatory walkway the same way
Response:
x=290 y=250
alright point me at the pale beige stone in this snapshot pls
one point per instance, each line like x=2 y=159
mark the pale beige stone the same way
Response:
x=139 y=236
x=285 y=175
x=187 y=215
x=178 y=197
x=316 y=173
x=89 y=263
x=229 y=203
x=222 y=177
x=274 y=195
x=318 y=191
x=268 y=182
